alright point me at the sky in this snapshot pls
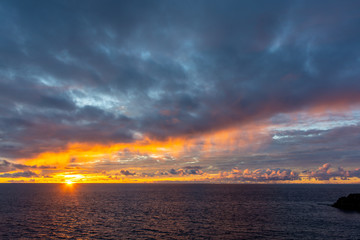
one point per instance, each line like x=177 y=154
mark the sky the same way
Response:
x=184 y=91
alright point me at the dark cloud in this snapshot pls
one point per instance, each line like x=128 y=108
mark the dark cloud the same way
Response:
x=127 y=173
x=188 y=170
x=26 y=174
x=193 y=167
x=325 y=142
x=6 y=166
x=91 y=71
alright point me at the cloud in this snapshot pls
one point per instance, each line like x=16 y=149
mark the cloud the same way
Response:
x=325 y=172
x=127 y=173
x=262 y=175
x=25 y=174
x=122 y=71
x=187 y=170
x=6 y=166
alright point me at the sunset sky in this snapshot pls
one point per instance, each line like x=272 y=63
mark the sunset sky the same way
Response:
x=194 y=91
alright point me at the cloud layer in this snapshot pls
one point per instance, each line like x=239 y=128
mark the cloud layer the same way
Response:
x=110 y=72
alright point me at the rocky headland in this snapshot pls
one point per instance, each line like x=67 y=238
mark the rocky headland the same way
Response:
x=349 y=203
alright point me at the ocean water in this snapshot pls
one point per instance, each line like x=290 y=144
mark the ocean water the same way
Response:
x=175 y=211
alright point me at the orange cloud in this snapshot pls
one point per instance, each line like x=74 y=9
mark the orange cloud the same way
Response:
x=83 y=158
x=83 y=154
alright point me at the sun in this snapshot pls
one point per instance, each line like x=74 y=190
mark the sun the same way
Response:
x=69 y=182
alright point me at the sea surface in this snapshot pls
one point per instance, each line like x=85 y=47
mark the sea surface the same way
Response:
x=175 y=211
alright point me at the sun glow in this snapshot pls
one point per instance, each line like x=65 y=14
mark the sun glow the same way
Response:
x=148 y=160
x=80 y=155
x=69 y=182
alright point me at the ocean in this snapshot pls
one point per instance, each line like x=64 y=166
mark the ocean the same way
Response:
x=175 y=211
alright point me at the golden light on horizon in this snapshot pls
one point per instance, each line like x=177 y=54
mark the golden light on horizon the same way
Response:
x=150 y=160
x=73 y=178
x=69 y=182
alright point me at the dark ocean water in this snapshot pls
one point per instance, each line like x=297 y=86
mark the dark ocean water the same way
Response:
x=176 y=211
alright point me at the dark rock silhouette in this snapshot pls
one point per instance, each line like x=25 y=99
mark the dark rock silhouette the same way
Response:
x=349 y=203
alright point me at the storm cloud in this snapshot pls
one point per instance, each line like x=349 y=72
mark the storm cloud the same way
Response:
x=119 y=71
